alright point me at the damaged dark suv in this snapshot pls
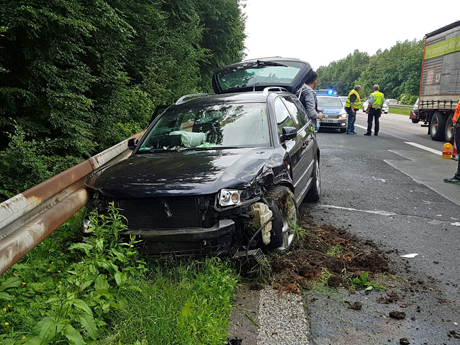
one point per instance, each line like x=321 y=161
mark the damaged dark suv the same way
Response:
x=218 y=173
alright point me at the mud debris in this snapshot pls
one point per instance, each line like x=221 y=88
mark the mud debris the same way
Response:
x=453 y=334
x=355 y=306
x=404 y=341
x=398 y=315
x=326 y=252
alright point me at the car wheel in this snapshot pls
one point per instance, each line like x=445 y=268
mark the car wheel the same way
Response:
x=314 y=194
x=437 y=126
x=415 y=120
x=343 y=130
x=282 y=203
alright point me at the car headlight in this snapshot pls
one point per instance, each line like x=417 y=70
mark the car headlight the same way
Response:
x=342 y=115
x=229 y=197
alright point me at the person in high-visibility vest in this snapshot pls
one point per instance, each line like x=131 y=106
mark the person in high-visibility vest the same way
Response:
x=374 y=110
x=456 y=122
x=351 y=106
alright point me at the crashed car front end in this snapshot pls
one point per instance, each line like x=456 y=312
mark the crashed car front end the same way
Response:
x=215 y=224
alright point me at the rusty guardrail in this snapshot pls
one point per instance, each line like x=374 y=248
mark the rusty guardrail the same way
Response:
x=29 y=217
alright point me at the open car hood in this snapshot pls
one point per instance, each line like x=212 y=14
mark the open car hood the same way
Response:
x=257 y=74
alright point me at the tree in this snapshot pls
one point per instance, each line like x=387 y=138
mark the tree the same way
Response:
x=78 y=76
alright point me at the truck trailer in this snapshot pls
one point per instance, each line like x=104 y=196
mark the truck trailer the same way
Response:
x=440 y=82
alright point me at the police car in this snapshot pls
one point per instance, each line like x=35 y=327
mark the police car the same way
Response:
x=334 y=112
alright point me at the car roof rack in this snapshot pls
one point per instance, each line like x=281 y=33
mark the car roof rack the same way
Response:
x=273 y=88
x=184 y=99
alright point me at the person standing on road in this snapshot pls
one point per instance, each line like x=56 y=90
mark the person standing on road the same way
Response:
x=351 y=107
x=456 y=121
x=307 y=97
x=374 y=110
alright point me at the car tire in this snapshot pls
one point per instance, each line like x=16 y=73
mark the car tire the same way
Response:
x=343 y=130
x=314 y=194
x=415 y=120
x=282 y=203
x=437 y=126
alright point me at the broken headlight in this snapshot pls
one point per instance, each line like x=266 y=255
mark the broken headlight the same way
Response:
x=229 y=197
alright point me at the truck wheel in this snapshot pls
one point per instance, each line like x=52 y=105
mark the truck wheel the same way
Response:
x=437 y=126
x=449 y=129
x=415 y=120
x=282 y=203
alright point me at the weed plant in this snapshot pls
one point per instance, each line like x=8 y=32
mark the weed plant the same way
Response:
x=96 y=289
x=182 y=302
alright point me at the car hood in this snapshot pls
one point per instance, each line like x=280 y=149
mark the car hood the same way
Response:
x=333 y=110
x=257 y=74
x=181 y=173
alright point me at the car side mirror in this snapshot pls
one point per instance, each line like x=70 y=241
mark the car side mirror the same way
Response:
x=132 y=143
x=288 y=133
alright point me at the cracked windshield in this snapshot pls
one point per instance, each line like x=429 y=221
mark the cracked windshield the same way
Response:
x=240 y=125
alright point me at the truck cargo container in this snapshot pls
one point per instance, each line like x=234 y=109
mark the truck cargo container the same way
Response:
x=440 y=82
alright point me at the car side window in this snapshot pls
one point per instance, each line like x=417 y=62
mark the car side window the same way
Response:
x=283 y=117
x=296 y=112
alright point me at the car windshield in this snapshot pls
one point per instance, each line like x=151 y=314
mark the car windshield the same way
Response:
x=258 y=72
x=329 y=102
x=205 y=127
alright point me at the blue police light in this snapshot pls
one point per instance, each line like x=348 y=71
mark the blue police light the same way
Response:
x=329 y=92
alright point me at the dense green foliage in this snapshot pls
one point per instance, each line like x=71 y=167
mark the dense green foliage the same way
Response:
x=78 y=76
x=397 y=72
x=182 y=302
x=73 y=290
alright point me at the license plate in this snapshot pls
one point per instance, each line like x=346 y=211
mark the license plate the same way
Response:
x=326 y=121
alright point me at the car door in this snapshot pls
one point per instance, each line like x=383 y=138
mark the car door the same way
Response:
x=306 y=134
x=298 y=149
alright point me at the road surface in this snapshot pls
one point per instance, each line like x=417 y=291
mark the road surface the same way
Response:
x=388 y=189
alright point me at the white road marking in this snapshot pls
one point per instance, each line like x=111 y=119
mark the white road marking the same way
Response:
x=378 y=179
x=429 y=149
x=363 y=127
x=410 y=256
x=382 y=213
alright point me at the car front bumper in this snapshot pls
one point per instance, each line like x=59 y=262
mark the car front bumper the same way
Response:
x=334 y=123
x=216 y=240
x=221 y=228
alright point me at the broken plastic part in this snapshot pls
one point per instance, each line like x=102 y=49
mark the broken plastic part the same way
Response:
x=262 y=214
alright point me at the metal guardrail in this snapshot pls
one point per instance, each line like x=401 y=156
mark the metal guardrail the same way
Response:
x=29 y=217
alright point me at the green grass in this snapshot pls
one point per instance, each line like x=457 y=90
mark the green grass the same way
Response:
x=401 y=111
x=97 y=290
x=179 y=303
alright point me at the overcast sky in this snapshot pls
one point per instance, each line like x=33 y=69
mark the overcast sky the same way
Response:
x=323 y=31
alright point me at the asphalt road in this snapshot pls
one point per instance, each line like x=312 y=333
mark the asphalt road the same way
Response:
x=388 y=189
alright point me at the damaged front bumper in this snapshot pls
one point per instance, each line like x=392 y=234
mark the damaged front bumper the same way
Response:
x=216 y=240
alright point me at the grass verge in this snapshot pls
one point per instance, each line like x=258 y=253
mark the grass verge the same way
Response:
x=401 y=111
x=180 y=302
x=98 y=290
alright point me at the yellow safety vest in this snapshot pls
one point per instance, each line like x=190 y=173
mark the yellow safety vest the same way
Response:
x=378 y=100
x=357 y=103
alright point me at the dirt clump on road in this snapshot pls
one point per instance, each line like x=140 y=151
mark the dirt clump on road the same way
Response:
x=326 y=253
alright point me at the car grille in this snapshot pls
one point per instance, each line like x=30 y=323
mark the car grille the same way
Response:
x=152 y=213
